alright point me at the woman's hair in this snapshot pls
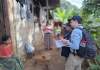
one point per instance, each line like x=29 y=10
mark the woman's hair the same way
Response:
x=68 y=23
x=69 y=20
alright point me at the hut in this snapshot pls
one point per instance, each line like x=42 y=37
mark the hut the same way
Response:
x=17 y=19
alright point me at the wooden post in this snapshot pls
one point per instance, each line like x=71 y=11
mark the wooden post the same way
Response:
x=10 y=7
x=47 y=10
x=4 y=21
x=6 y=17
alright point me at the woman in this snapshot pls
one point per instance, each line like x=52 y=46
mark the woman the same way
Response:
x=66 y=32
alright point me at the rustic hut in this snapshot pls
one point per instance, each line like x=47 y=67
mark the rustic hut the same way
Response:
x=17 y=20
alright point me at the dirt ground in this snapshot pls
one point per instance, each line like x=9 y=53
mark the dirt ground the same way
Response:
x=44 y=59
x=52 y=61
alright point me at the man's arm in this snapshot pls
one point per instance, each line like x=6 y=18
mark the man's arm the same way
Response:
x=76 y=37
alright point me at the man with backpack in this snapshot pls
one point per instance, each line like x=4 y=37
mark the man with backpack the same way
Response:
x=79 y=45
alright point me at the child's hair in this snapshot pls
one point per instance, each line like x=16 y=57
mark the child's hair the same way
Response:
x=58 y=23
x=5 y=37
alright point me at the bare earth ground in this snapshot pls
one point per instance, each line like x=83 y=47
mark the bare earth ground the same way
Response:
x=43 y=59
x=55 y=62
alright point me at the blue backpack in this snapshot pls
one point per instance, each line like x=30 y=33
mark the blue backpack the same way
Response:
x=87 y=46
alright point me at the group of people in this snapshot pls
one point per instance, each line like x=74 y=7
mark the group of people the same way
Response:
x=71 y=36
x=73 y=40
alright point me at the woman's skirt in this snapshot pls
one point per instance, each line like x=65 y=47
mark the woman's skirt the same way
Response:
x=48 y=42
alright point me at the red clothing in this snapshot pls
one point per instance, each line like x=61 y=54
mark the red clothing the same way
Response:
x=5 y=50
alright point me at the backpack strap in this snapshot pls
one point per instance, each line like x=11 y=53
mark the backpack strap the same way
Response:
x=84 y=32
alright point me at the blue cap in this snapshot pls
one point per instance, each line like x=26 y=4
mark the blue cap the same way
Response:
x=78 y=18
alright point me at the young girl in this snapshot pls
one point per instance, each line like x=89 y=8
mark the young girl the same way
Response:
x=57 y=29
x=48 y=30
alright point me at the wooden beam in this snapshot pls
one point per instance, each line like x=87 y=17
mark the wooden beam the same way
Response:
x=6 y=17
x=10 y=6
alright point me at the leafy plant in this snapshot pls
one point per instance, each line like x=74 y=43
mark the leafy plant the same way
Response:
x=94 y=67
x=98 y=58
x=64 y=12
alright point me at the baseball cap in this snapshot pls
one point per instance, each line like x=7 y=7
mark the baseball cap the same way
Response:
x=78 y=18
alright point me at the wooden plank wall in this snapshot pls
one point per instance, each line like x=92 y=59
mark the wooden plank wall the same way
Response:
x=4 y=21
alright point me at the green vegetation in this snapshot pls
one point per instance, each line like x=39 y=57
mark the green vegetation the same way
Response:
x=65 y=11
x=91 y=15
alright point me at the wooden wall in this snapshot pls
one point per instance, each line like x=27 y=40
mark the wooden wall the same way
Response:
x=4 y=20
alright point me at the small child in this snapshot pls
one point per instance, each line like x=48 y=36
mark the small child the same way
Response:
x=48 y=42
x=57 y=29
x=6 y=47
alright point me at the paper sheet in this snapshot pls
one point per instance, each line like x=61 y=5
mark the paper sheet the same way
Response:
x=59 y=43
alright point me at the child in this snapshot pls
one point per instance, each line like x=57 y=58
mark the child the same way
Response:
x=6 y=47
x=48 y=42
x=57 y=29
